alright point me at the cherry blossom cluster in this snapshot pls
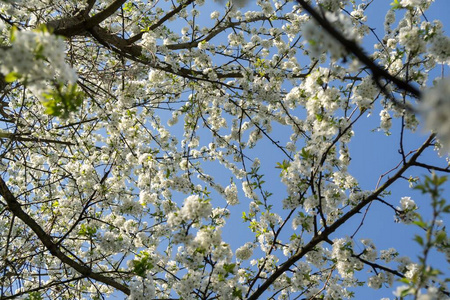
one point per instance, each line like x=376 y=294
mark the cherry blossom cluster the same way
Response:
x=203 y=125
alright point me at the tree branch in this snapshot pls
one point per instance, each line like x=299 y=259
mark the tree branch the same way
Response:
x=15 y=207
x=377 y=71
x=333 y=227
x=78 y=24
x=169 y=15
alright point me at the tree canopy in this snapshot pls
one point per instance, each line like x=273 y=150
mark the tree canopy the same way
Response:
x=186 y=149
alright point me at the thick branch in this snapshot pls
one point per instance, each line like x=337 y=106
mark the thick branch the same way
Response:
x=103 y=15
x=78 y=24
x=20 y=138
x=15 y=207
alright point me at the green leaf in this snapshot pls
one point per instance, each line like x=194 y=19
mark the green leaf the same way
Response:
x=319 y=117
x=86 y=230
x=293 y=237
x=13 y=76
x=305 y=154
x=237 y=293
x=396 y=5
x=142 y=265
x=421 y=224
x=405 y=280
x=128 y=6
x=12 y=36
x=440 y=237
x=229 y=268
x=34 y=296
x=62 y=100
x=418 y=239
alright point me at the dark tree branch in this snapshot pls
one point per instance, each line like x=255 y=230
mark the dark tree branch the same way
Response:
x=377 y=71
x=21 y=138
x=378 y=266
x=430 y=167
x=79 y=24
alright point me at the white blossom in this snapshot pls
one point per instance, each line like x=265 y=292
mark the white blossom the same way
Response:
x=435 y=107
x=239 y=3
x=244 y=252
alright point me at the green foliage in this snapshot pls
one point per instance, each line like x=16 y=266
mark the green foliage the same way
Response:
x=261 y=66
x=142 y=264
x=128 y=6
x=237 y=293
x=11 y=77
x=247 y=218
x=305 y=154
x=432 y=185
x=62 y=100
x=283 y=166
x=86 y=230
x=396 y=5
x=229 y=269
x=34 y=296
x=433 y=238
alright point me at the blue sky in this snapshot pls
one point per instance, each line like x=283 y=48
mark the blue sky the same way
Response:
x=373 y=153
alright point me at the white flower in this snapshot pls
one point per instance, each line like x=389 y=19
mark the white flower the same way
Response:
x=195 y=208
x=432 y=293
x=435 y=108
x=364 y=94
x=413 y=3
x=215 y=14
x=376 y=282
x=440 y=48
x=370 y=252
x=248 y=190
x=320 y=41
x=388 y=255
x=389 y=20
x=142 y=288
x=155 y=76
x=413 y=269
x=400 y=289
x=245 y=252
x=37 y=56
x=386 y=120
x=203 y=45
x=406 y=212
x=148 y=44
x=239 y=3
x=231 y=194
x=184 y=164
x=407 y=203
x=411 y=39
x=208 y=237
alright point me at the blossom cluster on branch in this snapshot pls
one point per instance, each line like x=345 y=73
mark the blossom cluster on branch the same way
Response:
x=191 y=150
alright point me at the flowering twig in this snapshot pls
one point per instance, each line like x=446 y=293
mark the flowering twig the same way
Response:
x=377 y=71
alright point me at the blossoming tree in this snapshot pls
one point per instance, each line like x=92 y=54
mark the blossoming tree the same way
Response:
x=134 y=137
